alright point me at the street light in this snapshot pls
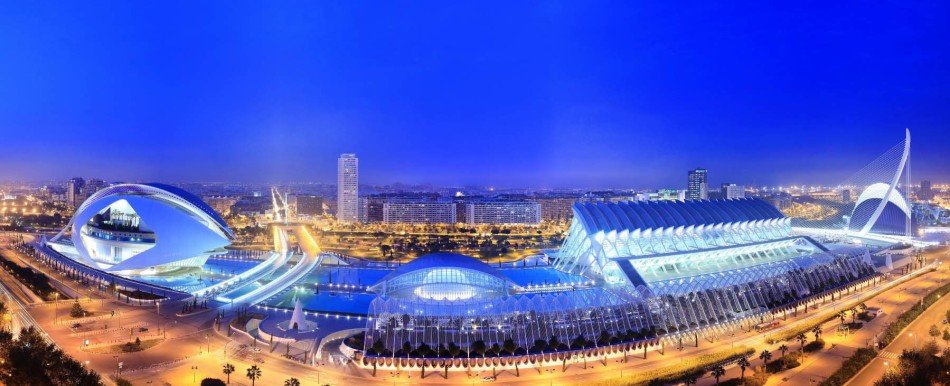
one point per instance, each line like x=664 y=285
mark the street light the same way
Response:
x=158 y=315
x=55 y=307
x=915 y=340
x=194 y=372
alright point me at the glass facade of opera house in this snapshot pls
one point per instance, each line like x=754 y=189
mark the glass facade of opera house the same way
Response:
x=642 y=269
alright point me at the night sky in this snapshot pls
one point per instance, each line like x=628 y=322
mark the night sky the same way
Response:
x=510 y=94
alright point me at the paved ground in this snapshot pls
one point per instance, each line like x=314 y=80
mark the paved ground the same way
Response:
x=915 y=334
x=189 y=338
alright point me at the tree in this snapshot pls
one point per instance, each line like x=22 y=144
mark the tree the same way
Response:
x=765 y=356
x=717 y=372
x=212 y=382
x=227 y=370
x=743 y=363
x=817 y=330
x=854 y=314
x=554 y=343
x=292 y=382
x=509 y=346
x=946 y=336
x=783 y=348
x=77 y=310
x=841 y=315
x=934 y=332
x=479 y=347
x=253 y=373
x=802 y=339
x=691 y=379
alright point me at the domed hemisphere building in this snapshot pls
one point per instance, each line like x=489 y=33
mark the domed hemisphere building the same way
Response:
x=627 y=271
x=143 y=229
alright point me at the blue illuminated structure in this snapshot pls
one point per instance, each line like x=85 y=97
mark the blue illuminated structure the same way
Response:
x=645 y=269
x=143 y=228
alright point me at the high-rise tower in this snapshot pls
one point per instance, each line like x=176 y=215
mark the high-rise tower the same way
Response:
x=697 y=187
x=347 y=189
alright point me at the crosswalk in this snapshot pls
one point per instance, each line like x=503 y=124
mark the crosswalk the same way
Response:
x=889 y=355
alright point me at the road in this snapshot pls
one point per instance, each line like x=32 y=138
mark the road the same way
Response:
x=915 y=334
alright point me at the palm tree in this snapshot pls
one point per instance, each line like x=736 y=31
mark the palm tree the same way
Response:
x=227 y=370
x=691 y=379
x=783 y=348
x=717 y=372
x=765 y=356
x=802 y=339
x=253 y=373
x=854 y=314
x=292 y=382
x=742 y=363
x=841 y=315
x=817 y=330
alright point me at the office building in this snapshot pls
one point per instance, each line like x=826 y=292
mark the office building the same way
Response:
x=74 y=191
x=697 y=185
x=347 y=198
x=731 y=191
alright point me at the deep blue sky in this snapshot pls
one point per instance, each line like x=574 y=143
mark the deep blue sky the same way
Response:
x=553 y=94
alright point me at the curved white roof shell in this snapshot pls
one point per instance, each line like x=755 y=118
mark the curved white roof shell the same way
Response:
x=878 y=191
x=184 y=226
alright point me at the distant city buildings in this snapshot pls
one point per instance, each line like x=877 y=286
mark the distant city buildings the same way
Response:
x=347 y=198
x=78 y=190
x=419 y=212
x=556 y=208
x=503 y=212
x=221 y=204
x=74 y=191
x=781 y=202
x=309 y=205
x=926 y=191
x=730 y=191
x=697 y=187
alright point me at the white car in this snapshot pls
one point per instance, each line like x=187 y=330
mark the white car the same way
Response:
x=488 y=379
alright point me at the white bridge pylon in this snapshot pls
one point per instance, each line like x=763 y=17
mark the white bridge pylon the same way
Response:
x=890 y=189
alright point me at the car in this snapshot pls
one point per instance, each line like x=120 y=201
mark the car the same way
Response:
x=77 y=325
x=488 y=379
x=946 y=321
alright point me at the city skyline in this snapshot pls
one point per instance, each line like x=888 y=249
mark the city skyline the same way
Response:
x=563 y=95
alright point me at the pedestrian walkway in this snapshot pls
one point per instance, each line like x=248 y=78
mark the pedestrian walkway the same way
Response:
x=889 y=355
